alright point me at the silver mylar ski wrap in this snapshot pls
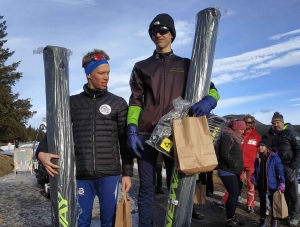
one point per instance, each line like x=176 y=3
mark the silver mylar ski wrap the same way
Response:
x=60 y=137
x=181 y=194
x=198 y=81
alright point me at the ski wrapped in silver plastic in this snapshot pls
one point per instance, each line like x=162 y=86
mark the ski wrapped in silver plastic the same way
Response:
x=60 y=137
x=180 y=201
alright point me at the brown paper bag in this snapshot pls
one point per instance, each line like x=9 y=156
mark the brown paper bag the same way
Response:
x=200 y=194
x=280 y=209
x=123 y=215
x=193 y=146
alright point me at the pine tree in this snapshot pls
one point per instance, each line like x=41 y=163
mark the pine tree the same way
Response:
x=14 y=112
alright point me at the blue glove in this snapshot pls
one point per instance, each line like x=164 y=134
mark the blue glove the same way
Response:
x=204 y=106
x=133 y=141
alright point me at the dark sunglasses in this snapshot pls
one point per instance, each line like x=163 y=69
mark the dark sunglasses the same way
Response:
x=160 y=30
x=96 y=57
x=249 y=122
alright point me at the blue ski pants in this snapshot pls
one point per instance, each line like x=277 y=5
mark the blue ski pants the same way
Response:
x=106 y=189
x=146 y=169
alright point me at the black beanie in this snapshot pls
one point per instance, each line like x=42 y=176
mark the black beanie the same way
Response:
x=163 y=19
x=277 y=117
x=265 y=142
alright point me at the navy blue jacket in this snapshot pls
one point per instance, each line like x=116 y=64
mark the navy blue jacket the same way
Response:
x=275 y=173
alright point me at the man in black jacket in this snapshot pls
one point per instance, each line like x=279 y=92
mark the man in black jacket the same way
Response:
x=99 y=132
x=287 y=142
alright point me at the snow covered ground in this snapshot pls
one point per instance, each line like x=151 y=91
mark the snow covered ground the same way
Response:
x=95 y=220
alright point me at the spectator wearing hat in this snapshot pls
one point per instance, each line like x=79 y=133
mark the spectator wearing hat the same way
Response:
x=155 y=82
x=249 y=146
x=268 y=177
x=231 y=166
x=287 y=142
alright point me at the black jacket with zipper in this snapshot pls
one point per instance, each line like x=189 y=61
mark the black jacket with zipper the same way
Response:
x=287 y=143
x=99 y=132
x=230 y=155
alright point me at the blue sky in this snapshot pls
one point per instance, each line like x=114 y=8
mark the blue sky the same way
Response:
x=257 y=56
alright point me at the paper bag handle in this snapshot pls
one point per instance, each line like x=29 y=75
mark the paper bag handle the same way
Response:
x=186 y=113
x=124 y=197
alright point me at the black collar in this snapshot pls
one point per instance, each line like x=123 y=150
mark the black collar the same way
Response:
x=94 y=93
x=162 y=55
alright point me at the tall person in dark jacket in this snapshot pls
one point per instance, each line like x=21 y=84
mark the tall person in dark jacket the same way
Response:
x=231 y=166
x=287 y=142
x=268 y=177
x=99 y=131
x=155 y=82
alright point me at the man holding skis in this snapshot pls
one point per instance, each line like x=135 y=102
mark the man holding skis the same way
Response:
x=99 y=131
x=155 y=82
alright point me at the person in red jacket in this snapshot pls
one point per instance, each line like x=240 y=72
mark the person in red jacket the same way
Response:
x=249 y=146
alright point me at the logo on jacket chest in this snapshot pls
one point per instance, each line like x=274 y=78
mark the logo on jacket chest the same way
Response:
x=105 y=109
x=179 y=70
x=252 y=142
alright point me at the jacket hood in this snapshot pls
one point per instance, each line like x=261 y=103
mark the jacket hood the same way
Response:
x=288 y=126
x=273 y=151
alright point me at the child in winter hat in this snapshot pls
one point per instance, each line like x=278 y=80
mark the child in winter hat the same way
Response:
x=268 y=177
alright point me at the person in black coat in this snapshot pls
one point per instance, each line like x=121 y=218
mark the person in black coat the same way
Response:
x=99 y=133
x=287 y=142
x=231 y=166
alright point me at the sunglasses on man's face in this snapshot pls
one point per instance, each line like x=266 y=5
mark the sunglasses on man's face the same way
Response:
x=249 y=122
x=96 y=57
x=160 y=30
